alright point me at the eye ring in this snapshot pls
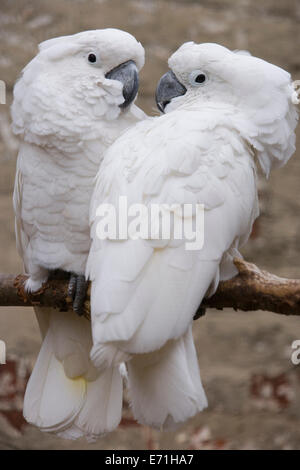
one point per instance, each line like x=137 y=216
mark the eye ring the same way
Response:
x=92 y=58
x=198 y=78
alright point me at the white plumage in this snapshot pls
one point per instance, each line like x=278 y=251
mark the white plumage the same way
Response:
x=144 y=293
x=67 y=113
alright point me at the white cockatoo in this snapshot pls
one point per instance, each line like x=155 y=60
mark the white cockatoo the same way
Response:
x=71 y=102
x=223 y=110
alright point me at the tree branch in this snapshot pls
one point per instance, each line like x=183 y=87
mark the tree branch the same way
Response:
x=252 y=289
x=255 y=289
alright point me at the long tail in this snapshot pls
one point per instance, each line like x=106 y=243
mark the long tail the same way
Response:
x=165 y=385
x=65 y=394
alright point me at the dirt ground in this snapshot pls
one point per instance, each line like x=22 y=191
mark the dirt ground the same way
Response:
x=245 y=358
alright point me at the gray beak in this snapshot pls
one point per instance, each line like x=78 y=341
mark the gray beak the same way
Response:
x=168 y=88
x=128 y=75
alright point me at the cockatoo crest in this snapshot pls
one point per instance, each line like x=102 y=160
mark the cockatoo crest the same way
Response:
x=262 y=95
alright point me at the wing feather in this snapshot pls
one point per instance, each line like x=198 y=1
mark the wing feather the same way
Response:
x=143 y=292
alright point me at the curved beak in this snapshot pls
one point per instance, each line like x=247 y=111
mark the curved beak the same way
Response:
x=128 y=75
x=168 y=88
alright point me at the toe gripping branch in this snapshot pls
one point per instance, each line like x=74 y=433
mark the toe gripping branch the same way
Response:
x=77 y=290
x=62 y=291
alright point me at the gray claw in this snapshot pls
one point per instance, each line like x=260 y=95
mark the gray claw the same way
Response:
x=77 y=292
x=72 y=286
x=200 y=313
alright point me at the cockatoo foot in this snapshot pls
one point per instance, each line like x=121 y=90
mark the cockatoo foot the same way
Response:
x=33 y=285
x=77 y=292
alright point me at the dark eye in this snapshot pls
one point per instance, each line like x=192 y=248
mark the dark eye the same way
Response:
x=197 y=78
x=92 y=58
x=200 y=78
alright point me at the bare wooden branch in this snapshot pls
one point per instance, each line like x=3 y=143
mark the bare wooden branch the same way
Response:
x=255 y=289
x=252 y=289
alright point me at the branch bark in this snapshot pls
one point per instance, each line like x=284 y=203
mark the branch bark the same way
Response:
x=252 y=289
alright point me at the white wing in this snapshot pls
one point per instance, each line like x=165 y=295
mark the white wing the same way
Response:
x=146 y=292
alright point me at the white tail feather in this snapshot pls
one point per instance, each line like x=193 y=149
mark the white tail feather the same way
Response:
x=165 y=385
x=102 y=409
x=52 y=400
x=58 y=401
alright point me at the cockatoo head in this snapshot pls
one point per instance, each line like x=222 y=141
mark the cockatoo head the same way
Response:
x=76 y=81
x=258 y=98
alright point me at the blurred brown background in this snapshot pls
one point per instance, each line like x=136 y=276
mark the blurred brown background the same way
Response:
x=252 y=386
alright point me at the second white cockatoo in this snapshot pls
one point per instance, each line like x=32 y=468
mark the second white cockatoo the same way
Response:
x=70 y=103
x=224 y=110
